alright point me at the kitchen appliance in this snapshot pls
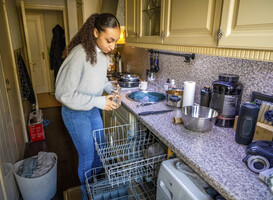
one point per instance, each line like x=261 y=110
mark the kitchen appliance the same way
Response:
x=226 y=99
x=198 y=118
x=259 y=156
x=246 y=123
x=174 y=98
x=128 y=81
x=176 y=180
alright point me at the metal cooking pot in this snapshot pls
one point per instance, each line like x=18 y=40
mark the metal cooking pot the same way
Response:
x=198 y=118
x=129 y=78
x=174 y=98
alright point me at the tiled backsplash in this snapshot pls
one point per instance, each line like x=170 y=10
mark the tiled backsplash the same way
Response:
x=254 y=75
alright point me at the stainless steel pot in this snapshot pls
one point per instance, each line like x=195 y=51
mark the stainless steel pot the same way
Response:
x=198 y=118
x=129 y=78
x=174 y=98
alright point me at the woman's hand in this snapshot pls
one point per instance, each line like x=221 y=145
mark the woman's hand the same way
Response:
x=109 y=104
x=118 y=100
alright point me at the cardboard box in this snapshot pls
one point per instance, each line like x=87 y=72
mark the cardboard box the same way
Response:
x=35 y=126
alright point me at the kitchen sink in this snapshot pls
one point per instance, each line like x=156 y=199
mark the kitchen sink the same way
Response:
x=146 y=95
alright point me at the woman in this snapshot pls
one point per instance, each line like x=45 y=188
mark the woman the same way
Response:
x=80 y=83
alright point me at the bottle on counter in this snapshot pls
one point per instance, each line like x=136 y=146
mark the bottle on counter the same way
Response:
x=205 y=96
x=166 y=85
x=172 y=85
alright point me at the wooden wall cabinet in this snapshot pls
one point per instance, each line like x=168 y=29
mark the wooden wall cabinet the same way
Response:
x=192 y=23
x=145 y=21
x=243 y=24
x=132 y=20
x=247 y=24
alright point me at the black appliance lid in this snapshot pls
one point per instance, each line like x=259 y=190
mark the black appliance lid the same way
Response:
x=232 y=78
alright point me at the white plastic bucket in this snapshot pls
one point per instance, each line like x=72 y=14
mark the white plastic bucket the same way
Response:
x=42 y=188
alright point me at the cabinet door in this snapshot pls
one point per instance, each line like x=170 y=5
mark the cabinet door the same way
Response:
x=192 y=22
x=151 y=21
x=247 y=24
x=132 y=21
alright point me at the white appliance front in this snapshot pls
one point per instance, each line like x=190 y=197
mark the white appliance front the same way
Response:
x=176 y=181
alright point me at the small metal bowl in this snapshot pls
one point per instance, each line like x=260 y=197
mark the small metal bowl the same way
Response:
x=198 y=118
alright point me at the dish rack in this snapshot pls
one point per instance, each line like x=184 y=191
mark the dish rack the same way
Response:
x=131 y=157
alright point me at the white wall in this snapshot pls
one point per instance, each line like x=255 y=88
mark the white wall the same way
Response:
x=72 y=18
x=11 y=112
x=10 y=36
x=14 y=24
x=90 y=7
x=51 y=19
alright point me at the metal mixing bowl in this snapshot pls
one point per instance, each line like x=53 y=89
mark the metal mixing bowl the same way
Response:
x=198 y=118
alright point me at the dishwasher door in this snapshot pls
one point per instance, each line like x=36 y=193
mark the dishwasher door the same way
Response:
x=173 y=184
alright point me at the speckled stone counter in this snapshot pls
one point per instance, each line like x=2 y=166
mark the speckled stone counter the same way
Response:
x=214 y=155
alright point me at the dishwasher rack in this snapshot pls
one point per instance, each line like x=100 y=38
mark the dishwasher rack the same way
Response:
x=128 y=152
x=131 y=156
x=99 y=188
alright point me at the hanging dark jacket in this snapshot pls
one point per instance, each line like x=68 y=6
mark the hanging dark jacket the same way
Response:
x=56 y=48
x=26 y=86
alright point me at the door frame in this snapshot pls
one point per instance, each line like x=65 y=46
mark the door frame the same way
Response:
x=36 y=7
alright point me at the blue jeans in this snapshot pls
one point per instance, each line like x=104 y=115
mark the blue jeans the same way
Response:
x=80 y=125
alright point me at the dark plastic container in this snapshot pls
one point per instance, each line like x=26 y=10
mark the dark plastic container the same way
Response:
x=246 y=123
x=226 y=99
x=205 y=96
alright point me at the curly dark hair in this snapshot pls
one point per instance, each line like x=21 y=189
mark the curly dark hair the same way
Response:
x=86 y=37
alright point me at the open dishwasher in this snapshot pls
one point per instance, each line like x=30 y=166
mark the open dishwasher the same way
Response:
x=131 y=156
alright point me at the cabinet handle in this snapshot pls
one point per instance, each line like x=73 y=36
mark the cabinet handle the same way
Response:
x=162 y=35
x=220 y=33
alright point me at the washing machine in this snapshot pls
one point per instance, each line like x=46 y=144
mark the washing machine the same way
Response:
x=177 y=181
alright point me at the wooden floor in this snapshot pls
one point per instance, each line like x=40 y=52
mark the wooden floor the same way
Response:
x=58 y=141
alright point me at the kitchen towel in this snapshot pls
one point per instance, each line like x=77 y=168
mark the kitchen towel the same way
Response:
x=188 y=96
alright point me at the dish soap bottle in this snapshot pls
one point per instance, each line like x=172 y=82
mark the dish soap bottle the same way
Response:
x=166 y=85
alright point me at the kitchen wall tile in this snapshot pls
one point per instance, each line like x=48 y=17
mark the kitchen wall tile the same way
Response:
x=254 y=75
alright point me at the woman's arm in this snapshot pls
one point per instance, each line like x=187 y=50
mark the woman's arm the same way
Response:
x=107 y=86
x=67 y=82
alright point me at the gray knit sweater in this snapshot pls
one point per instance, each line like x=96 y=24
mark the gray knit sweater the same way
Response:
x=79 y=85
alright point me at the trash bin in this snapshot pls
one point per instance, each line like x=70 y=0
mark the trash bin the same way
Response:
x=43 y=187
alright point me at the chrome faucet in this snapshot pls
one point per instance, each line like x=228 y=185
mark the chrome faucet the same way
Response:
x=157 y=85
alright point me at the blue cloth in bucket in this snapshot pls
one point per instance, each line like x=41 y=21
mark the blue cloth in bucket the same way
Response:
x=28 y=167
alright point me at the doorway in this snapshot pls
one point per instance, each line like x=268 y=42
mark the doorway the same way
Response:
x=38 y=23
x=40 y=72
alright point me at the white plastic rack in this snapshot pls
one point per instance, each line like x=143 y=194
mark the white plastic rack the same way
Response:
x=99 y=188
x=126 y=154
x=131 y=157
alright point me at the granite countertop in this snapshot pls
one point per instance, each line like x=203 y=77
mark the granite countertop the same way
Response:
x=214 y=155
